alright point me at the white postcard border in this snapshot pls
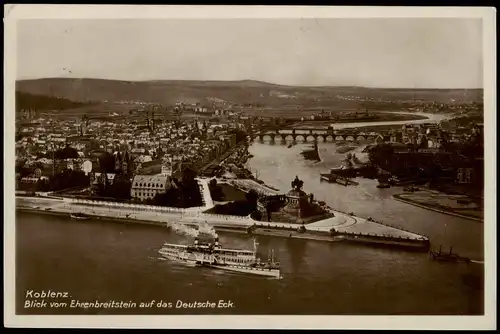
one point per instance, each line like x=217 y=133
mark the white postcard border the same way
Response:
x=16 y=12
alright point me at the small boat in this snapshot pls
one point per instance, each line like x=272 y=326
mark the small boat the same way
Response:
x=448 y=257
x=79 y=216
x=383 y=183
x=325 y=178
x=289 y=145
x=333 y=178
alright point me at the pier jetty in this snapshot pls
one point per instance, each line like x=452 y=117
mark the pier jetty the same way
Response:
x=311 y=153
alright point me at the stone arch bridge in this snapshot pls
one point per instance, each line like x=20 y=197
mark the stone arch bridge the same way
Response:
x=329 y=135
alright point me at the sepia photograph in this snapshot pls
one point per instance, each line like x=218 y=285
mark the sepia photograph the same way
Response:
x=256 y=163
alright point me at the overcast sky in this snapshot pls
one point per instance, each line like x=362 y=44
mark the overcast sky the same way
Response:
x=403 y=53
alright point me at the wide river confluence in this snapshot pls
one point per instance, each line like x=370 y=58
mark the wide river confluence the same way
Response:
x=98 y=260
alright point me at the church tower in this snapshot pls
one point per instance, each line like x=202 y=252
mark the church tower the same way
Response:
x=118 y=166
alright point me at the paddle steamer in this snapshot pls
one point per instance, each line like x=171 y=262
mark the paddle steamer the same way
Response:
x=213 y=255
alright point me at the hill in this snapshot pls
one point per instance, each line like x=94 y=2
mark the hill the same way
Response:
x=168 y=92
x=26 y=101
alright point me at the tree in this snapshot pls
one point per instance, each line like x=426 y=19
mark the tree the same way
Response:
x=380 y=155
x=161 y=199
x=212 y=183
x=240 y=135
x=252 y=196
x=68 y=179
x=215 y=190
x=186 y=195
x=69 y=152
x=188 y=174
x=107 y=162
x=66 y=153
x=42 y=102
x=120 y=189
x=43 y=185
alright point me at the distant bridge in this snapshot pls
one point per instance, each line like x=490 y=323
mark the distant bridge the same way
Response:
x=326 y=135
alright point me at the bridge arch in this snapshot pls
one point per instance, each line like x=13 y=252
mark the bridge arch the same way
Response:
x=309 y=135
x=267 y=137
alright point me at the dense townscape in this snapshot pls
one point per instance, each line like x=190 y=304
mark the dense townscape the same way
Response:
x=129 y=158
x=110 y=153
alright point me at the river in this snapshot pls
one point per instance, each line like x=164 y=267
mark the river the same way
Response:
x=431 y=118
x=97 y=260
x=278 y=165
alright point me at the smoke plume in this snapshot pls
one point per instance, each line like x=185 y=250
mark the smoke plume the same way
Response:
x=207 y=229
x=193 y=232
x=184 y=229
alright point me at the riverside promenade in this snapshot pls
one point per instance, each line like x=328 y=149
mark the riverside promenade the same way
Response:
x=341 y=222
x=346 y=226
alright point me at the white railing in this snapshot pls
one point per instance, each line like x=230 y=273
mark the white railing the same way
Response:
x=226 y=217
x=195 y=211
x=140 y=207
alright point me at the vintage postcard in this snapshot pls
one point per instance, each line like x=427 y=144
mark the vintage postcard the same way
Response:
x=250 y=167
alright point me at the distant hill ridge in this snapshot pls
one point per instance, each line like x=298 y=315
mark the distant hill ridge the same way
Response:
x=27 y=101
x=243 y=91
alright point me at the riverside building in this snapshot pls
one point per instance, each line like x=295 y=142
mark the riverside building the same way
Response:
x=148 y=186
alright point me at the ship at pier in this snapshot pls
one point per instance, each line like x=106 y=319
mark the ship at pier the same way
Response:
x=213 y=255
x=312 y=153
x=351 y=167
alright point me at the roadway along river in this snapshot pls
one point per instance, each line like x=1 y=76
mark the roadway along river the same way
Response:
x=97 y=260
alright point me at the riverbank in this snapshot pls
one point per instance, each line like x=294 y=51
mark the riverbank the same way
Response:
x=90 y=216
x=443 y=203
x=346 y=147
x=346 y=226
x=373 y=117
x=220 y=159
